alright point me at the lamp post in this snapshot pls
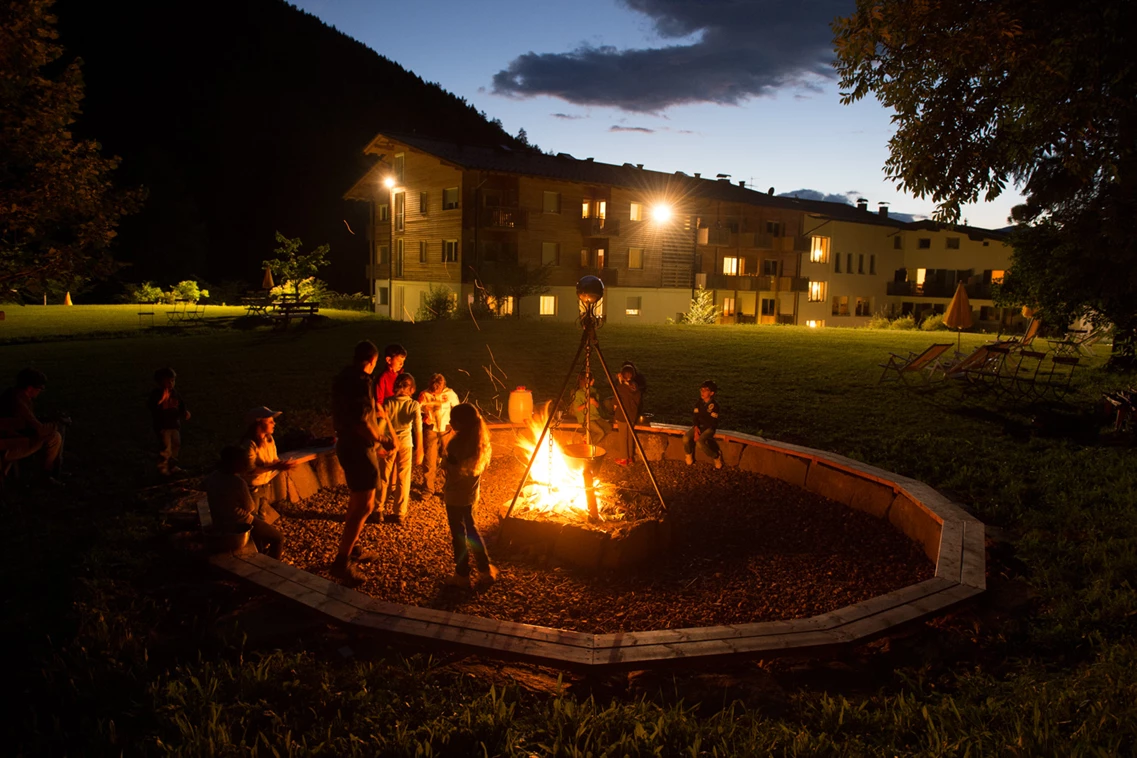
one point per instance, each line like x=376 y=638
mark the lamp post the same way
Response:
x=389 y=183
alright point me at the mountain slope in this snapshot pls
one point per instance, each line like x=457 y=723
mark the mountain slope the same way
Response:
x=242 y=117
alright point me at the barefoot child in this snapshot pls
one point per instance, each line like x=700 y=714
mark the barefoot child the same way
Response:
x=467 y=456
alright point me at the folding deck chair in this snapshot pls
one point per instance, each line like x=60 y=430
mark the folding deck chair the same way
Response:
x=926 y=363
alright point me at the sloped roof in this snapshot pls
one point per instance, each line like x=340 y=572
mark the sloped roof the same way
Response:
x=564 y=167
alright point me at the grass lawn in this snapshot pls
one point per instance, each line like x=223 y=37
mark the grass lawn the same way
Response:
x=128 y=646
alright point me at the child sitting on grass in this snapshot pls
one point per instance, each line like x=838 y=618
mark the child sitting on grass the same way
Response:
x=466 y=458
x=231 y=504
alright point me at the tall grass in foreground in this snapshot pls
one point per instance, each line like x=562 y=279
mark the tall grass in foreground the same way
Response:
x=127 y=637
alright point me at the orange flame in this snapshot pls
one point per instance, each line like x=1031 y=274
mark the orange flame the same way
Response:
x=556 y=480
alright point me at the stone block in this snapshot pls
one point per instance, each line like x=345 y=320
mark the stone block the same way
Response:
x=580 y=546
x=520 y=533
x=917 y=523
x=632 y=544
x=732 y=451
x=850 y=488
x=785 y=466
x=674 y=451
x=328 y=470
x=301 y=483
x=654 y=445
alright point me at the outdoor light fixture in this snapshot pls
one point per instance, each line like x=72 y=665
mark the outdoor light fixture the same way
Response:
x=661 y=213
x=389 y=182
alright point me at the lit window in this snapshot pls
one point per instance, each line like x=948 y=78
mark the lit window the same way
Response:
x=548 y=305
x=812 y=324
x=601 y=258
x=550 y=254
x=819 y=250
x=817 y=292
x=728 y=306
x=450 y=251
x=635 y=257
x=730 y=266
x=997 y=276
x=585 y=257
x=585 y=209
x=507 y=306
x=952 y=243
x=633 y=305
x=400 y=211
x=637 y=212
x=399 y=168
x=422 y=252
x=552 y=202
x=449 y=198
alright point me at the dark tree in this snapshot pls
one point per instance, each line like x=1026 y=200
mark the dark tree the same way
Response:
x=1041 y=94
x=58 y=206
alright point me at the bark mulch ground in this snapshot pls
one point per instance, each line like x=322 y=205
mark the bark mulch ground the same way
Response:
x=746 y=548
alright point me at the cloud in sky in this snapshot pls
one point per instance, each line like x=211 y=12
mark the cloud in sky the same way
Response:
x=727 y=51
x=846 y=198
x=641 y=129
x=567 y=117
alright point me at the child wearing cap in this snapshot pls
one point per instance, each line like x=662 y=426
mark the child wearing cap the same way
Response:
x=262 y=463
x=707 y=412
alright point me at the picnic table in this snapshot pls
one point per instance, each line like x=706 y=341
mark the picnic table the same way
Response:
x=256 y=305
x=285 y=311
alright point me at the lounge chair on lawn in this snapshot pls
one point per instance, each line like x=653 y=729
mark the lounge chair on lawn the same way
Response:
x=927 y=364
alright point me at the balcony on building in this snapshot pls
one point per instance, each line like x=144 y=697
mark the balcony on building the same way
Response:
x=757 y=283
x=599 y=227
x=503 y=217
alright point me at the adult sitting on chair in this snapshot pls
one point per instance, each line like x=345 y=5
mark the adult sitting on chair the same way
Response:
x=262 y=463
x=26 y=434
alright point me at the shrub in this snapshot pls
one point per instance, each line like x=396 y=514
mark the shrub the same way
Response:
x=878 y=321
x=228 y=291
x=702 y=309
x=147 y=292
x=934 y=323
x=342 y=302
x=188 y=290
x=311 y=289
x=440 y=304
x=903 y=323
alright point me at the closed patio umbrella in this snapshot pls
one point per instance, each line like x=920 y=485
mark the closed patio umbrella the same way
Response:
x=958 y=314
x=267 y=283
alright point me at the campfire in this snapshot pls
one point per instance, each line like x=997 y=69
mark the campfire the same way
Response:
x=563 y=483
x=562 y=506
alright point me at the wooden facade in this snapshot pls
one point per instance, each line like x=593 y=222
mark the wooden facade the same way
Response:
x=461 y=217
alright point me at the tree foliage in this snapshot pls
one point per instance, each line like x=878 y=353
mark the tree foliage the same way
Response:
x=293 y=266
x=441 y=303
x=58 y=206
x=702 y=309
x=1040 y=94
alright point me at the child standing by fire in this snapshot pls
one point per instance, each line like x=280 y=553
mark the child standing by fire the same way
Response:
x=707 y=412
x=436 y=400
x=629 y=390
x=403 y=415
x=466 y=457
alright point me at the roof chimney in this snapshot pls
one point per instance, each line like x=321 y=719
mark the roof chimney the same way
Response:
x=698 y=175
x=882 y=209
x=862 y=204
x=742 y=183
x=770 y=191
x=639 y=165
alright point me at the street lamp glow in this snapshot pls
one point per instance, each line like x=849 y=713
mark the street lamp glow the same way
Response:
x=661 y=213
x=389 y=182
